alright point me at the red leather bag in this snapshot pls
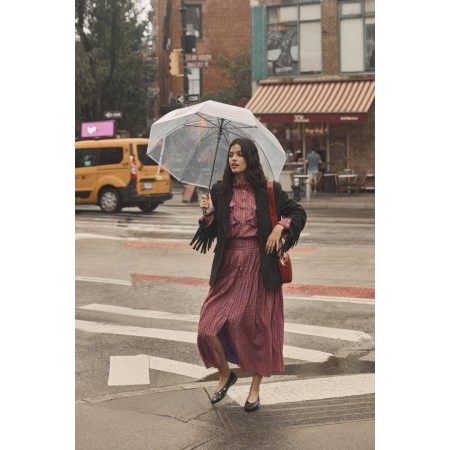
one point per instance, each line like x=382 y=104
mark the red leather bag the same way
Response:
x=284 y=261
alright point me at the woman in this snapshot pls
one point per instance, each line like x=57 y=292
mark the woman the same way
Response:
x=242 y=318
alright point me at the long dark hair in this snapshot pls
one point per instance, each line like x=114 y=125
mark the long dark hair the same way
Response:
x=254 y=173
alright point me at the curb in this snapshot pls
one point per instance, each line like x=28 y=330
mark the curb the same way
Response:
x=338 y=202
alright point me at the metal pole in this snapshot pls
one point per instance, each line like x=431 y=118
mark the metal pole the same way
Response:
x=308 y=189
x=183 y=47
x=304 y=148
x=215 y=156
x=328 y=149
x=348 y=151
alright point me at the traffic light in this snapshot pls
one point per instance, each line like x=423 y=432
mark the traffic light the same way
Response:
x=175 y=63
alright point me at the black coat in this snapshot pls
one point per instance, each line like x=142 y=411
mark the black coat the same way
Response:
x=286 y=207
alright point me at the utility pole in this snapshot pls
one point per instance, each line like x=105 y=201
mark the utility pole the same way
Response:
x=183 y=46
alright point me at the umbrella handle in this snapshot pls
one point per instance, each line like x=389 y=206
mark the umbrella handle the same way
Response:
x=205 y=209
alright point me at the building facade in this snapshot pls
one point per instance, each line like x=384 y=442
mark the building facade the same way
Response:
x=312 y=63
x=313 y=72
x=222 y=29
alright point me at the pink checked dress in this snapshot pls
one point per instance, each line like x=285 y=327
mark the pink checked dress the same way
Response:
x=247 y=317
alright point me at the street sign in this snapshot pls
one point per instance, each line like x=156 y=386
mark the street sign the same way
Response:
x=113 y=114
x=197 y=64
x=181 y=99
x=198 y=57
x=193 y=98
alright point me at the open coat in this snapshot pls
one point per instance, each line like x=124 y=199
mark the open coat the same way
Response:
x=218 y=228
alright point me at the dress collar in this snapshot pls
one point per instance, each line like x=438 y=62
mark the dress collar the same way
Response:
x=246 y=186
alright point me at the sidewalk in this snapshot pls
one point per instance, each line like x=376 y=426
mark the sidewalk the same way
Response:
x=181 y=417
x=318 y=200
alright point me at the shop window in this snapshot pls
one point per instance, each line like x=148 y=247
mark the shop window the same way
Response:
x=357 y=35
x=194 y=20
x=294 y=41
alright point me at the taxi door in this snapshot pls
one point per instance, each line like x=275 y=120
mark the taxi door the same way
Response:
x=147 y=182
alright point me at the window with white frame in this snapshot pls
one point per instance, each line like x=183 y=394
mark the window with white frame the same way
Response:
x=357 y=35
x=194 y=78
x=294 y=41
x=194 y=20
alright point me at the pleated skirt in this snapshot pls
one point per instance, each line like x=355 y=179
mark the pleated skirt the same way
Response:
x=247 y=317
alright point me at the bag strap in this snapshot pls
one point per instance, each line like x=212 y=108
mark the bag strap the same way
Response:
x=271 y=197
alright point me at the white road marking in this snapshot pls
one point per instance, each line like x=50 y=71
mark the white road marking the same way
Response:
x=305 y=354
x=127 y=330
x=313 y=298
x=134 y=370
x=310 y=330
x=327 y=332
x=311 y=389
x=104 y=280
x=96 y=236
x=142 y=227
x=180 y=368
x=128 y=370
x=299 y=353
x=124 y=310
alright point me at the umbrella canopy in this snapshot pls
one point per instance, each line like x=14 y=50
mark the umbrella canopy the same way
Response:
x=192 y=143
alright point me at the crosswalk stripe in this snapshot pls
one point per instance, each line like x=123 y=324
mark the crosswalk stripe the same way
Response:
x=316 y=298
x=310 y=330
x=311 y=389
x=180 y=368
x=128 y=330
x=124 y=310
x=299 y=353
x=305 y=354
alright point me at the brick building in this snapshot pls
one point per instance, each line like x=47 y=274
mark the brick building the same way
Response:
x=313 y=72
x=222 y=29
x=313 y=69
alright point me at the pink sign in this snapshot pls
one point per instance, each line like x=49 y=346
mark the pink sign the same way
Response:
x=98 y=129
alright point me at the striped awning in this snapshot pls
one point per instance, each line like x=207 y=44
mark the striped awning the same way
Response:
x=326 y=101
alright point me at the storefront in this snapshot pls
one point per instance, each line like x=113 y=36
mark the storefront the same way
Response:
x=334 y=117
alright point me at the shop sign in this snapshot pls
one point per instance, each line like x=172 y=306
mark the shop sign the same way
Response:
x=312 y=118
x=299 y=118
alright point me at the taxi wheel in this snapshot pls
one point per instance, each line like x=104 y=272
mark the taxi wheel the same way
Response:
x=110 y=201
x=145 y=207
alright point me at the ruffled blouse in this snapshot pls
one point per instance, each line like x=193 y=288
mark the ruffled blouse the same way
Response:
x=243 y=219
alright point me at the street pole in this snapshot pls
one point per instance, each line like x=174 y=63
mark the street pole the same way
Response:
x=183 y=47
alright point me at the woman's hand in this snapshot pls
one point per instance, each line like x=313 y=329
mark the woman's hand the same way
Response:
x=273 y=241
x=206 y=204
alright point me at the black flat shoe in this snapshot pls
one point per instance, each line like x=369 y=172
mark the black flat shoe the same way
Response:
x=252 y=406
x=220 y=394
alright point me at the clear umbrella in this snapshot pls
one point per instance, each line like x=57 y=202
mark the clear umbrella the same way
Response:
x=192 y=143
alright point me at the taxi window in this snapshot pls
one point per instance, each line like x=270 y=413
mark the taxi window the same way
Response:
x=144 y=158
x=110 y=155
x=85 y=157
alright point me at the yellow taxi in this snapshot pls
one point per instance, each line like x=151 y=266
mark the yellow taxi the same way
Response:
x=117 y=173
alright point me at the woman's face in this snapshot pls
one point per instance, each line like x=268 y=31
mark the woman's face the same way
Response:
x=237 y=162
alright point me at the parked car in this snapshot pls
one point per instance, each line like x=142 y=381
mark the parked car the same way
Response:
x=116 y=173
